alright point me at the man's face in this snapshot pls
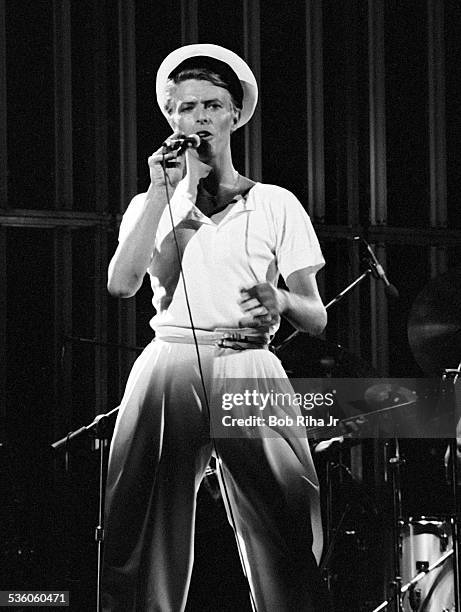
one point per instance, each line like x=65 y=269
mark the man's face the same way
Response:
x=199 y=107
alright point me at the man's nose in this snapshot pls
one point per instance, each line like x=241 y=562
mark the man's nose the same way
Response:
x=202 y=115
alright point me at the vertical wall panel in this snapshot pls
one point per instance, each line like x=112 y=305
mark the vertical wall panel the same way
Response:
x=252 y=54
x=101 y=321
x=221 y=26
x=436 y=118
x=100 y=60
x=283 y=96
x=112 y=116
x=3 y=204
x=63 y=348
x=315 y=127
x=31 y=337
x=345 y=76
x=378 y=174
x=101 y=189
x=406 y=113
x=127 y=117
x=63 y=103
x=84 y=321
x=30 y=406
x=345 y=134
x=453 y=96
x=85 y=32
x=378 y=177
x=189 y=22
x=3 y=111
x=338 y=87
x=30 y=99
x=3 y=325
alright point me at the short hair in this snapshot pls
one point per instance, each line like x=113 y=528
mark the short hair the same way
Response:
x=206 y=69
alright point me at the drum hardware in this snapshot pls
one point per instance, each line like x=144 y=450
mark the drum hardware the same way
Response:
x=414 y=581
x=434 y=335
x=361 y=498
x=395 y=462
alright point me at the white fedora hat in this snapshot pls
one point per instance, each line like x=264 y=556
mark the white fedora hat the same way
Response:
x=231 y=59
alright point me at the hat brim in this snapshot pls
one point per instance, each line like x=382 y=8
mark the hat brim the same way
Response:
x=236 y=63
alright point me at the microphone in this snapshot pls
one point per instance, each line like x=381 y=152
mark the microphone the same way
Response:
x=181 y=144
x=379 y=273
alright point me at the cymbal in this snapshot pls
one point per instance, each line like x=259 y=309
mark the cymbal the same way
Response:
x=434 y=324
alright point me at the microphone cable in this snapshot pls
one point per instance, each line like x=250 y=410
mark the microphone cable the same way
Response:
x=202 y=381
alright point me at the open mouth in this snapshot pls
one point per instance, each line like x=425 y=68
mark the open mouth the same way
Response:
x=204 y=135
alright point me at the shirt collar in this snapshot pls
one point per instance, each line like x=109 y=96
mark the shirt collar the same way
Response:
x=183 y=206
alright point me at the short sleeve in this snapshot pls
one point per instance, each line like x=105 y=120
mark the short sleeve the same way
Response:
x=297 y=243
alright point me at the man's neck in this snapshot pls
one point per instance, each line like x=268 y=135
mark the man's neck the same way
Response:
x=221 y=181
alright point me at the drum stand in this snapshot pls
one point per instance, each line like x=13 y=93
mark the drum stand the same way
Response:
x=100 y=430
x=414 y=581
x=450 y=378
x=395 y=462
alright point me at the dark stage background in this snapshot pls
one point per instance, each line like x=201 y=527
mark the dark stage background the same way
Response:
x=358 y=116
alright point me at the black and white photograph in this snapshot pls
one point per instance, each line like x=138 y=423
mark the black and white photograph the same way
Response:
x=230 y=305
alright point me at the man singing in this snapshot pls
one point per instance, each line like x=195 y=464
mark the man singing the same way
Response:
x=214 y=253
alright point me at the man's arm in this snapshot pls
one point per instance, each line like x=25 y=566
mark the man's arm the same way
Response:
x=133 y=255
x=302 y=306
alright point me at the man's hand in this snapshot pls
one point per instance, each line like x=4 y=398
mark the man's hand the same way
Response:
x=175 y=164
x=262 y=305
x=178 y=164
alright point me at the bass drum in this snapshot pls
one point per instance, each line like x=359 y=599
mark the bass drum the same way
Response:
x=423 y=541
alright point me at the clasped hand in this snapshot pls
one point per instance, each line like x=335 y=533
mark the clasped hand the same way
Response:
x=178 y=164
x=262 y=305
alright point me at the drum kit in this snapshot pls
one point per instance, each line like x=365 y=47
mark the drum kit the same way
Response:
x=425 y=565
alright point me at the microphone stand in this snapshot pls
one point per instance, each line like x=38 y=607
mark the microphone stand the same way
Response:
x=100 y=430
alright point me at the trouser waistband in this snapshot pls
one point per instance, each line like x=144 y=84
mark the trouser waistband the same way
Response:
x=238 y=339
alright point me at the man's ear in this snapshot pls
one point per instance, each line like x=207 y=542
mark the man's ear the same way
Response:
x=235 y=119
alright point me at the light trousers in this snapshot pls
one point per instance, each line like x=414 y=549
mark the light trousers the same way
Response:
x=160 y=449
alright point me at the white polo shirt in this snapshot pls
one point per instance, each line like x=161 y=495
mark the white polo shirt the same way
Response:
x=266 y=233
